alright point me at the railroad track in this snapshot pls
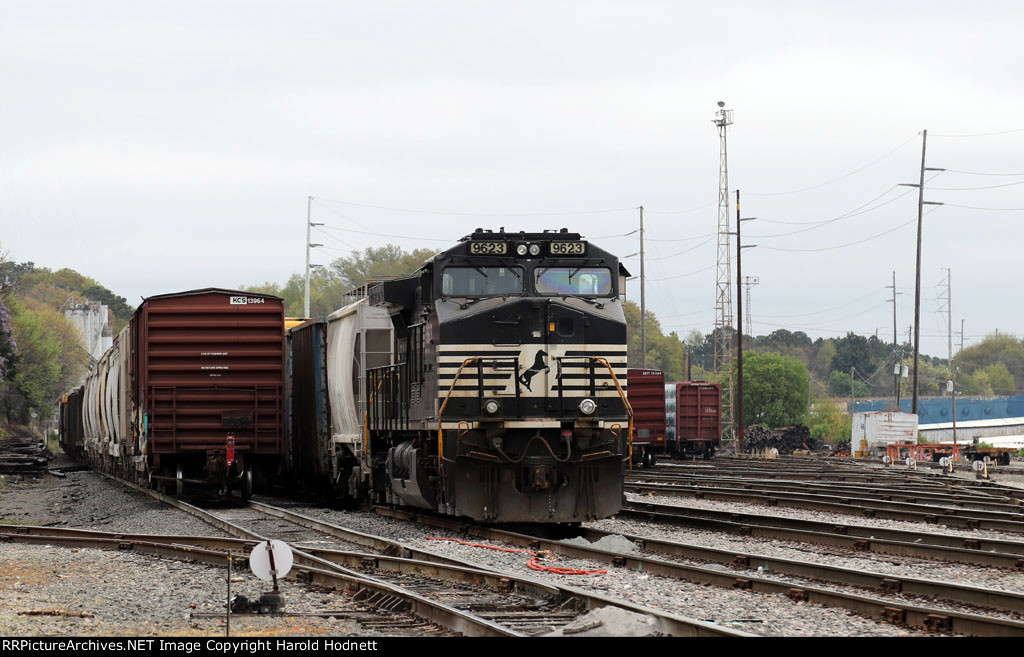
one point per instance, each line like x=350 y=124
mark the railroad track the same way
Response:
x=891 y=608
x=849 y=504
x=389 y=576
x=816 y=469
x=1009 y=501
x=978 y=551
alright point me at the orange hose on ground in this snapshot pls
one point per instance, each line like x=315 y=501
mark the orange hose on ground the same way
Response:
x=532 y=564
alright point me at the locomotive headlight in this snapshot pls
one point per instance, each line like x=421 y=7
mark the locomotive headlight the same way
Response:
x=521 y=249
x=588 y=406
x=535 y=249
x=491 y=407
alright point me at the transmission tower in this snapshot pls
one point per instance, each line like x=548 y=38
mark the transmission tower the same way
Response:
x=749 y=282
x=723 y=286
x=946 y=305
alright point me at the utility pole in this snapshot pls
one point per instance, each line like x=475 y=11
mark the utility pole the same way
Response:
x=895 y=346
x=739 y=329
x=851 y=390
x=917 y=288
x=643 y=297
x=723 y=287
x=309 y=245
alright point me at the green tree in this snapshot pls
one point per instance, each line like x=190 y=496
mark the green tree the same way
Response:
x=329 y=285
x=33 y=386
x=664 y=352
x=1000 y=379
x=839 y=385
x=1006 y=349
x=72 y=358
x=828 y=421
x=852 y=351
x=8 y=345
x=377 y=262
x=774 y=389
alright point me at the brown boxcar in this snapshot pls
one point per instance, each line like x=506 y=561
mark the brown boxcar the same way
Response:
x=694 y=418
x=208 y=384
x=646 y=393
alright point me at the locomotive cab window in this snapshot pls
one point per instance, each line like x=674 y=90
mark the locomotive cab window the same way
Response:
x=481 y=281
x=581 y=281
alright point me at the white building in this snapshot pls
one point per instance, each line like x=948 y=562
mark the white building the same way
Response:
x=91 y=320
x=999 y=432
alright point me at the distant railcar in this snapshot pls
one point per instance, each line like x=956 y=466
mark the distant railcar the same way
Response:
x=693 y=418
x=191 y=392
x=647 y=399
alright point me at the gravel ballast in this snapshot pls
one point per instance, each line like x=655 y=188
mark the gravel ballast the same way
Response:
x=130 y=595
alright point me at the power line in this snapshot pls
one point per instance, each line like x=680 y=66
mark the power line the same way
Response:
x=699 y=207
x=855 y=171
x=965 y=189
x=697 y=246
x=608 y=237
x=819 y=312
x=477 y=214
x=684 y=239
x=324 y=232
x=332 y=210
x=697 y=271
x=859 y=210
x=976 y=173
x=841 y=246
x=852 y=213
x=971 y=207
x=402 y=237
x=982 y=134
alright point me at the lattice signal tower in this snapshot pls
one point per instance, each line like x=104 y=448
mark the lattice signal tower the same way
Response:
x=723 y=286
x=748 y=282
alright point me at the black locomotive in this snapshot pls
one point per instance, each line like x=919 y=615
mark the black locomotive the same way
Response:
x=507 y=402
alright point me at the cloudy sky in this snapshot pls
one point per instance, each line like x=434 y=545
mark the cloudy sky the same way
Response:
x=164 y=146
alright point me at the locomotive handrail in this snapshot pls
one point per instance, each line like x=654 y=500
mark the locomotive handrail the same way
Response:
x=625 y=401
x=396 y=398
x=440 y=412
x=366 y=415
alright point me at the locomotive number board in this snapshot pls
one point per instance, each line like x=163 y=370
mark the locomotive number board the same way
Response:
x=568 y=248
x=488 y=248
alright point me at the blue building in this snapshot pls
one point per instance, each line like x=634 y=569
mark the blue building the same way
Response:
x=933 y=410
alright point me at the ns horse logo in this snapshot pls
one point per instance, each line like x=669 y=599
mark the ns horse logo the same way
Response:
x=539 y=365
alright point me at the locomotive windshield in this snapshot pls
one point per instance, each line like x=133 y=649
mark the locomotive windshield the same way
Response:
x=583 y=281
x=481 y=281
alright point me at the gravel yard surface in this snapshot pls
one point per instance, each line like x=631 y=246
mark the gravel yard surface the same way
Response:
x=86 y=500
x=130 y=594
x=137 y=595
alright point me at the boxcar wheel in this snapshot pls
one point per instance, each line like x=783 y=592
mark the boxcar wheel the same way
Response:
x=179 y=484
x=246 y=489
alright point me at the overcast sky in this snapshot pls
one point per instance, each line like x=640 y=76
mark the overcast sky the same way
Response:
x=165 y=146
